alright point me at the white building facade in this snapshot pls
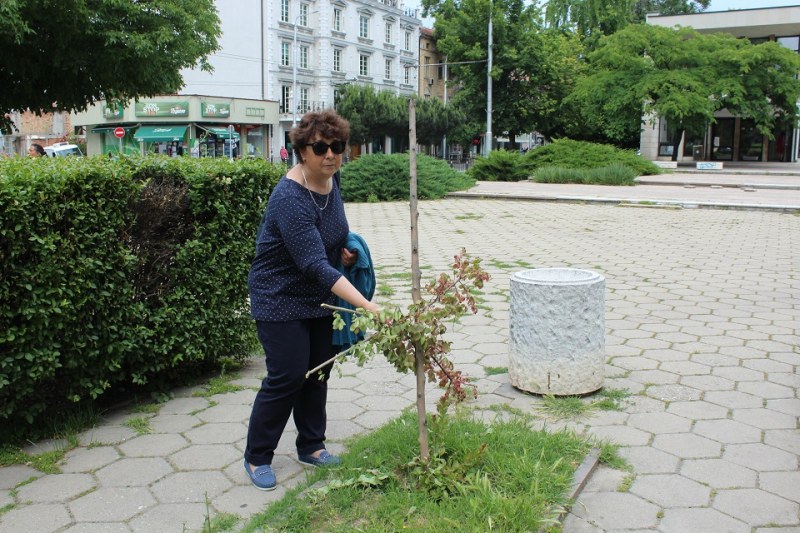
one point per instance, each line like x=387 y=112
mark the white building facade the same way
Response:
x=731 y=138
x=299 y=52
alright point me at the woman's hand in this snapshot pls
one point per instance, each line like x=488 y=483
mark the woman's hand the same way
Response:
x=349 y=258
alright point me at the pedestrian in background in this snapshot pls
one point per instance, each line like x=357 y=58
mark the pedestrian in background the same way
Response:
x=300 y=242
x=284 y=155
x=36 y=150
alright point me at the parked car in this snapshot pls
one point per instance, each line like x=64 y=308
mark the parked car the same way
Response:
x=62 y=150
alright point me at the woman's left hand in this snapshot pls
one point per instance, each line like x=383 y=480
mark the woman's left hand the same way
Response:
x=349 y=258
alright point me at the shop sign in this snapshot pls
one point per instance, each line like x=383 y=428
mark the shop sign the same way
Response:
x=113 y=111
x=255 y=112
x=162 y=109
x=215 y=110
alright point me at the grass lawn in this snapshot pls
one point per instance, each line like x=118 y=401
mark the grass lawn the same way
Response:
x=500 y=476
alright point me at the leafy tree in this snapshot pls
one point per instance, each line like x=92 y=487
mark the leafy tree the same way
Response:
x=434 y=120
x=65 y=55
x=686 y=77
x=591 y=19
x=535 y=68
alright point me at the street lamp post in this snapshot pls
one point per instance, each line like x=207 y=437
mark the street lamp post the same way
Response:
x=294 y=76
x=487 y=144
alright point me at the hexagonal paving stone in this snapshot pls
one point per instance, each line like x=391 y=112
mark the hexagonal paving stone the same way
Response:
x=13 y=475
x=56 y=488
x=88 y=459
x=700 y=521
x=697 y=410
x=623 y=435
x=111 y=504
x=756 y=507
x=133 y=472
x=106 y=435
x=187 y=487
x=672 y=393
x=687 y=446
x=225 y=413
x=789 y=406
x=616 y=510
x=205 y=457
x=653 y=377
x=708 y=383
x=647 y=460
x=157 y=445
x=727 y=431
x=783 y=484
x=785 y=439
x=765 y=418
x=99 y=527
x=173 y=423
x=183 y=406
x=671 y=490
x=171 y=517
x=718 y=473
x=760 y=457
x=737 y=373
x=38 y=518
x=216 y=433
x=659 y=422
x=733 y=399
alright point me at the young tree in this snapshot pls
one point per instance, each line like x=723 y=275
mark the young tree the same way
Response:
x=65 y=55
x=686 y=77
x=535 y=68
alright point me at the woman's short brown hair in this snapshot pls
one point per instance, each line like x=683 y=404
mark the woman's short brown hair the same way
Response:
x=327 y=124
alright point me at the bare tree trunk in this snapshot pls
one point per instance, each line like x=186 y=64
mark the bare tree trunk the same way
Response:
x=416 y=275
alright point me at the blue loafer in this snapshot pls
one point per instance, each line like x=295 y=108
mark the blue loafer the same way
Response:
x=324 y=459
x=262 y=477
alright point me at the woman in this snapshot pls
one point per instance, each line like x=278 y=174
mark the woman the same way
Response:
x=300 y=240
x=36 y=150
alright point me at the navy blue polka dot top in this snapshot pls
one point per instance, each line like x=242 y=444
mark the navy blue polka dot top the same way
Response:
x=297 y=245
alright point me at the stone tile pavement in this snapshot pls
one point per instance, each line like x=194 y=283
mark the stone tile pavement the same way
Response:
x=702 y=316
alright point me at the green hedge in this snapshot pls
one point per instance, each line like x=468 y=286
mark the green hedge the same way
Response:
x=121 y=272
x=382 y=177
x=567 y=155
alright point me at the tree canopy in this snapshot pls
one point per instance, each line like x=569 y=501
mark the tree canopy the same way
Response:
x=685 y=77
x=67 y=54
x=533 y=68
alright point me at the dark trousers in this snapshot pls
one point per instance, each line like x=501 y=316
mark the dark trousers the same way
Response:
x=292 y=349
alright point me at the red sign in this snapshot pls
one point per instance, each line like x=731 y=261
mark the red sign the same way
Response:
x=119 y=133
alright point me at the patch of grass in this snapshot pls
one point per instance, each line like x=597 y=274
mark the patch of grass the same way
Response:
x=501 y=264
x=564 y=406
x=140 y=424
x=501 y=477
x=147 y=408
x=218 y=385
x=609 y=455
x=626 y=483
x=385 y=289
x=495 y=370
x=6 y=508
x=398 y=275
x=611 y=399
x=469 y=216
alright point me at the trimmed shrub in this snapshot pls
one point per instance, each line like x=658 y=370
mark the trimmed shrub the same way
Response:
x=614 y=174
x=382 y=177
x=566 y=153
x=119 y=273
x=501 y=165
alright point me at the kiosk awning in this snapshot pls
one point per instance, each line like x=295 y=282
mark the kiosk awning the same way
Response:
x=160 y=133
x=219 y=131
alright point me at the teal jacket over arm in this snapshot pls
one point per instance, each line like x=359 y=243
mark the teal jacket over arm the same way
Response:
x=362 y=276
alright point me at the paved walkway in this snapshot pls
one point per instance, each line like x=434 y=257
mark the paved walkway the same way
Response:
x=702 y=316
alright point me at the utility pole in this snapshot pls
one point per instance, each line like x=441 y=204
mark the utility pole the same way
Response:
x=487 y=141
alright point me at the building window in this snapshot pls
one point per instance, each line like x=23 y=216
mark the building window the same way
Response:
x=407 y=75
x=337 y=20
x=337 y=60
x=284 y=10
x=427 y=67
x=408 y=41
x=285 y=62
x=304 y=15
x=303 y=100
x=363 y=26
x=286 y=97
x=388 y=33
x=387 y=69
x=303 y=57
x=363 y=65
x=792 y=43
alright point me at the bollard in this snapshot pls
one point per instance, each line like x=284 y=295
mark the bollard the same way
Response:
x=557 y=327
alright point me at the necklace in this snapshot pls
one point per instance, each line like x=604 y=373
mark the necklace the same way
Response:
x=327 y=196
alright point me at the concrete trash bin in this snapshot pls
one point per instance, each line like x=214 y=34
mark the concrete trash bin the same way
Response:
x=557 y=325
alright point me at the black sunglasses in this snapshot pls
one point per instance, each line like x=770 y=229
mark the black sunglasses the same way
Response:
x=321 y=148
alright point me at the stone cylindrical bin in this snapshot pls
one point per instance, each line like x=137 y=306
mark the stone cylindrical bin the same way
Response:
x=557 y=319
